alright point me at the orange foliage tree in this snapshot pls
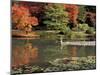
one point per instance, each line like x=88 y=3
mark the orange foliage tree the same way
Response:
x=73 y=13
x=22 y=19
x=36 y=9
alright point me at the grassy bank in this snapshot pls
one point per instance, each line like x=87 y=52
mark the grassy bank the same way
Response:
x=52 y=34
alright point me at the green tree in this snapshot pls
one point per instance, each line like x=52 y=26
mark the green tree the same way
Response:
x=82 y=13
x=56 y=18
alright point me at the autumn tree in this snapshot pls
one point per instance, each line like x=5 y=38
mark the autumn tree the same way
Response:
x=22 y=19
x=72 y=13
x=55 y=17
x=35 y=8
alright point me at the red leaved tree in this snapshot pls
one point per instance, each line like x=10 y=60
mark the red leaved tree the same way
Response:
x=36 y=9
x=73 y=13
x=22 y=19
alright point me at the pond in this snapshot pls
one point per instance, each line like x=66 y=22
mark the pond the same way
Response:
x=40 y=51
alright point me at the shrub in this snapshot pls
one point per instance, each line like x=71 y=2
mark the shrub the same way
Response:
x=74 y=35
x=91 y=30
x=83 y=27
x=67 y=30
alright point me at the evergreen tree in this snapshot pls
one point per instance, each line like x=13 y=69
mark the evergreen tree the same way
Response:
x=56 y=18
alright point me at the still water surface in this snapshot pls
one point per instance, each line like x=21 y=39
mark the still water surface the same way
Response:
x=38 y=51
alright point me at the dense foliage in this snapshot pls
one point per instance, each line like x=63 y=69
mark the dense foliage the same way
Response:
x=55 y=17
x=73 y=11
x=82 y=14
x=22 y=18
x=50 y=16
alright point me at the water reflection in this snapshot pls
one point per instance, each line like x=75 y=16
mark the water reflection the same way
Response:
x=24 y=54
x=73 y=51
x=39 y=51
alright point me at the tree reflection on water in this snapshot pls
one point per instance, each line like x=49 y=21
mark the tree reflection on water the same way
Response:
x=25 y=54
